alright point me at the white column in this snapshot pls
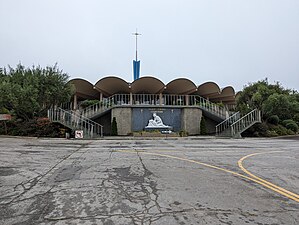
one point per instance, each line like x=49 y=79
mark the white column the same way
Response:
x=187 y=99
x=75 y=102
x=131 y=98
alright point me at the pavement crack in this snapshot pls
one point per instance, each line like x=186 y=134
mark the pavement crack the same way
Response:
x=34 y=196
x=28 y=185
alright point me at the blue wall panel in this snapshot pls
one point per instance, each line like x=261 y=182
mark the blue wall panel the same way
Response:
x=170 y=117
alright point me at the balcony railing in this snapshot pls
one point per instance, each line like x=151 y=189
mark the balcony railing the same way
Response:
x=155 y=100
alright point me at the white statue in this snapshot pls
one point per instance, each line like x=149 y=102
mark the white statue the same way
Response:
x=156 y=122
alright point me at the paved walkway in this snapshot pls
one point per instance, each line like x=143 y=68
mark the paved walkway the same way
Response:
x=149 y=181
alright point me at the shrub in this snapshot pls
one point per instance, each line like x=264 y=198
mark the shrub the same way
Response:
x=296 y=118
x=271 y=133
x=285 y=122
x=87 y=103
x=257 y=130
x=292 y=126
x=290 y=132
x=203 y=128
x=280 y=130
x=4 y=110
x=34 y=127
x=261 y=129
x=114 y=131
x=183 y=133
x=273 y=120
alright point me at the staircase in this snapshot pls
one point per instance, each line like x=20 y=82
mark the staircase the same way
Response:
x=84 y=119
x=223 y=128
x=75 y=121
x=234 y=125
x=99 y=108
x=211 y=109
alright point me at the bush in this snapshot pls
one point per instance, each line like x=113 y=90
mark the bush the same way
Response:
x=280 y=130
x=296 y=118
x=261 y=129
x=4 y=110
x=285 y=122
x=257 y=130
x=271 y=133
x=35 y=127
x=203 y=128
x=292 y=126
x=183 y=133
x=87 y=103
x=290 y=132
x=114 y=131
x=273 y=120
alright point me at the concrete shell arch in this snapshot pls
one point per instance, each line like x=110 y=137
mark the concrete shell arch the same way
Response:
x=84 y=89
x=147 y=85
x=112 y=85
x=208 y=89
x=227 y=95
x=180 y=86
x=228 y=91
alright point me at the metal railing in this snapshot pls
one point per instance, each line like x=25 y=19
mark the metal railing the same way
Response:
x=101 y=106
x=245 y=122
x=75 y=121
x=225 y=124
x=155 y=99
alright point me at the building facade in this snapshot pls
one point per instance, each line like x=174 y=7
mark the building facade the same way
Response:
x=180 y=104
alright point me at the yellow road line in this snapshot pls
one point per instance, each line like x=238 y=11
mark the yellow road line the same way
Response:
x=240 y=164
x=221 y=169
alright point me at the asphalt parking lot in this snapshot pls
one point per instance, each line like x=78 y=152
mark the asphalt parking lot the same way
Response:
x=149 y=181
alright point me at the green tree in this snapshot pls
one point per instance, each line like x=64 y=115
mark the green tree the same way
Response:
x=29 y=92
x=257 y=96
x=276 y=103
x=284 y=106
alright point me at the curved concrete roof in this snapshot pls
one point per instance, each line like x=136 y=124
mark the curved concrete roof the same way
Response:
x=180 y=86
x=112 y=85
x=228 y=91
x=208 y=89
x=84 y=89
x=227 y=95
x=147 y=85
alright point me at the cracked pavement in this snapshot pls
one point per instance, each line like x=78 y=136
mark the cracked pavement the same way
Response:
x=114 y=181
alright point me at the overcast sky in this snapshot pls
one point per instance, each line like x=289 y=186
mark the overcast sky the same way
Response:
x=230 y=42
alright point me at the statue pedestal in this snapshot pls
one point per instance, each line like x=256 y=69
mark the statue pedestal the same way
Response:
x=165 y=128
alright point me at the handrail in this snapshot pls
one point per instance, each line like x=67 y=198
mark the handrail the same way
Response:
x=154 y=99
x=246 y=121
x=225 y=124
x=212 y=107
x=75 y=121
